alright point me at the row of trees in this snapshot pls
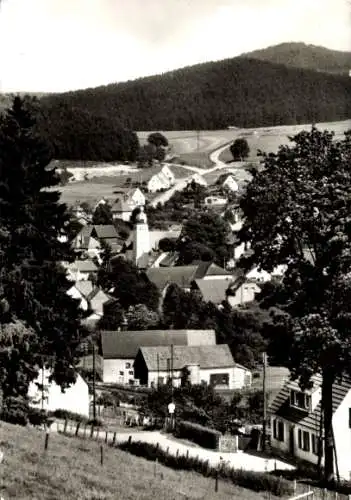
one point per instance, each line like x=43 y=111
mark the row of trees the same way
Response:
x=240 y=92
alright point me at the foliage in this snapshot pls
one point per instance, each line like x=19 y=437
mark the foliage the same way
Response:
x=68 y=415
x=256 y=481
x=207 y=438
x=129 y=284
x=32 y=278
x=76 y=133
x=15 y=410
x=140 y=317
x=297 y=212
x=240 y=149
x=167 y=244
x=102 y=214
x=260 y=94
x=158 y=139
x=209 y=230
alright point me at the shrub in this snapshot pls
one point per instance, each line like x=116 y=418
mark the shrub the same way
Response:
x=65 y=414
x=208 y=438
x=256 y=481
x=97 y=422
x=38 y=417
x=15 y=410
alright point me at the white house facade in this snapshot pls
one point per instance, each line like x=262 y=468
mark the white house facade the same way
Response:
x=296 y=418
x=75 y=398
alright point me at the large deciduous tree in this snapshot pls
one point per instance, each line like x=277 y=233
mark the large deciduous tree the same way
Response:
x=298 y=213
x=32 y=280
x=240 y=149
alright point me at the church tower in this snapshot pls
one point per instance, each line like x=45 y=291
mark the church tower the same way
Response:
x=141 y=240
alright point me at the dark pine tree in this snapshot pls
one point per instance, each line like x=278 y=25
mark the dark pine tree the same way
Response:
x=33 y=280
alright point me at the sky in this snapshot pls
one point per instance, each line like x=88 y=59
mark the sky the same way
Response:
x=59 y=45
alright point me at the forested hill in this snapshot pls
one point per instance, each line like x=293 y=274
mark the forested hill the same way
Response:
x=301 y=55
x=241 y=92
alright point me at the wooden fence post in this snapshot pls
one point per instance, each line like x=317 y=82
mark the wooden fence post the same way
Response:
x=177 y=453
x=77 y=428
x=85 y=429
x=187 y=453
x=65 y=426
x=46 y=445
x=106 y=438
x=114 y=439
x=92 y=430
x=216 y=481
x=155 y=467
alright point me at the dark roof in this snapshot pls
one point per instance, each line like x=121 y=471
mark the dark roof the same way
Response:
x=105 y=231
x=179 y=275
x=207 y=356
x=126 y=344
x=213 y=290
x=281 y=404
x=209 y=269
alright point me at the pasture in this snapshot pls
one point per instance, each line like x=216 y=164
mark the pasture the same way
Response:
x=71 y=469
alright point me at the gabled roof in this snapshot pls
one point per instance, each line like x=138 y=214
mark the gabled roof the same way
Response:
x=84 y=266
x=213 y=290
x=209 y=269
x=105 y=231
x=123 y=206
x=207 y=356
x=85 y=287
x=281 y=404
x=179 y=275
x=117 y=344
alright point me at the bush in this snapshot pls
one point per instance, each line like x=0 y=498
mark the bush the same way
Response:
x=97 y=422
x=256 y=481
x=208 y=438
x=15 y=410
x=68 y=415
x=38 y=417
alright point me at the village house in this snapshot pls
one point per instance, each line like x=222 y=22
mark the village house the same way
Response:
x=122 y=209
x=164 y=179
x=135 y=195
x=89 y=240
x=207 y=364
x=212 y=290
x=48 y=395
x=242 y=291
x=197 y=179
x=296 y=422
x=230 y=184
x=80 y=270
x=119 y=348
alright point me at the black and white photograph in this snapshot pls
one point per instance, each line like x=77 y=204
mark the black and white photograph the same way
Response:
x=175 y=249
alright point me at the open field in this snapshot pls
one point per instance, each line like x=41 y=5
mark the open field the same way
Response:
x=264 y=138
x=99 y=187
x=71 y=469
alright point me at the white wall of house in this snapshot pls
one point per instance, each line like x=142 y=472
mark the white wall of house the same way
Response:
x=204 y=376
x=342 y=434
x=77 y=275
x=74 y=399
x=244 y=293
x=125 y=215
x=98 y=301
x=228 y=277
x=155 y=184
x=215 y=200
x=231 y=184
x=118 y=371
x=138 y=197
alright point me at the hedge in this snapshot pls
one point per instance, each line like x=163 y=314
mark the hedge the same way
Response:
x=208 y=438
x=256 y=481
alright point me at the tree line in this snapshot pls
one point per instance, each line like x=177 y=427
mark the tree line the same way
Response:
x=241 y=92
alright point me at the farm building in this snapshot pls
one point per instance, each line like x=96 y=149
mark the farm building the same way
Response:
x=119 y=348
x=207 y=364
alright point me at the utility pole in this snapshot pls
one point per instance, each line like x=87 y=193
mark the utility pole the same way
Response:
x=158 y=370
x=94 y=396
x=264 y=429
x=172 y=359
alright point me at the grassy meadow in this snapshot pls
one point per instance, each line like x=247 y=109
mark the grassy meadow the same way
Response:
x=71 y=469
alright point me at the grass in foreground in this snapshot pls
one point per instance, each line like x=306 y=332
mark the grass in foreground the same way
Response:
x=71 y=469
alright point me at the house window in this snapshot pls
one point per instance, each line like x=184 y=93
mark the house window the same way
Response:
x=278 y=430
x=121 y=373
x=127 y=365
x=300 y=400
x=219 y=379
x=303 y=440
x=131 y=372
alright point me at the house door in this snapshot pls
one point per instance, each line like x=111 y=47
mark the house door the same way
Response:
x=292 y=440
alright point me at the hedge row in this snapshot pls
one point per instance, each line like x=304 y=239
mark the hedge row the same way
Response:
x=255 y=481
x=208 y=438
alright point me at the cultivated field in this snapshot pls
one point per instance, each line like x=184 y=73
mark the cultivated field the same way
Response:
x=265 y=138
x=71 y=469
x=103 y=186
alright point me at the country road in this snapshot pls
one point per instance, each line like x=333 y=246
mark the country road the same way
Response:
x=181 y=183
